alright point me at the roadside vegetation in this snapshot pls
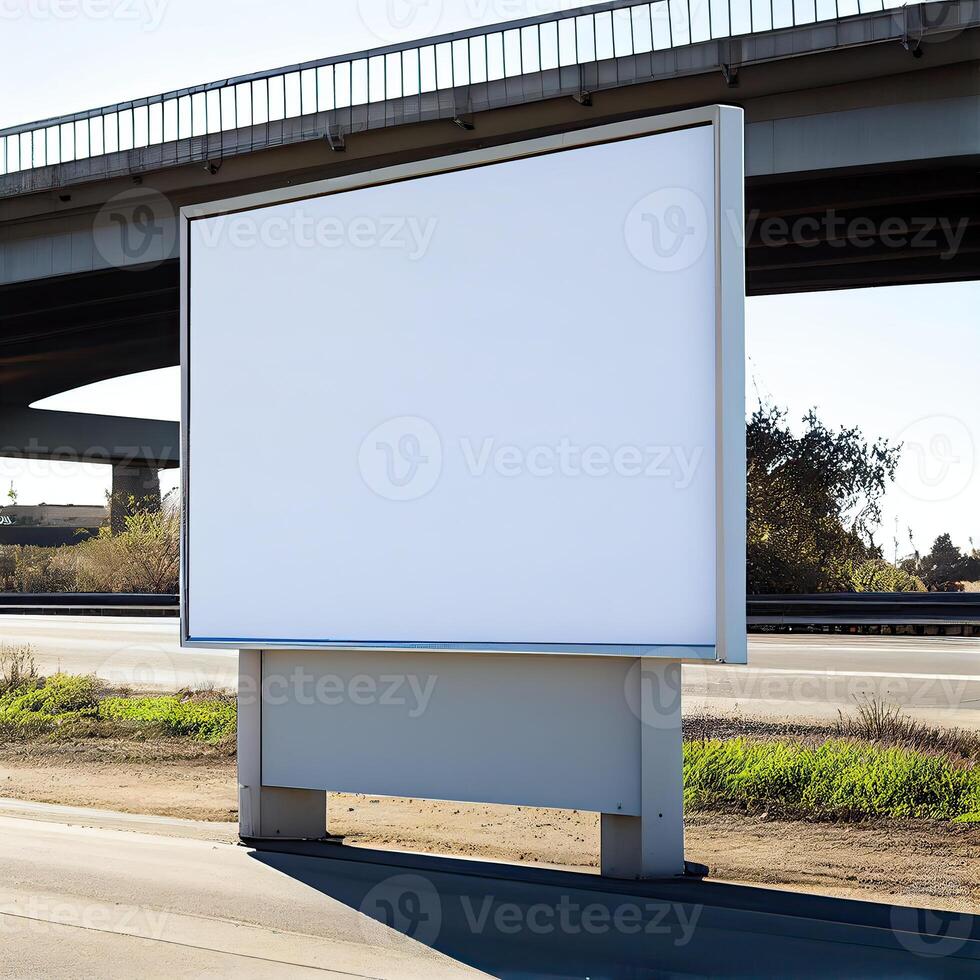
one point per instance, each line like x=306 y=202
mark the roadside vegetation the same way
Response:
x=68 y=707
x=144 y=557
x=874 y=762
x=838 y=780
x=884 y=724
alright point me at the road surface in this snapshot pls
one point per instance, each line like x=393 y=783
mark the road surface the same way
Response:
x=105 y=901
x=801 y=676
x=86 y=894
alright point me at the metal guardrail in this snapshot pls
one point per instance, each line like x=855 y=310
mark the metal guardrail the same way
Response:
x=131 y=602
x=582 y=36
x=832 y=608
x=865 y=609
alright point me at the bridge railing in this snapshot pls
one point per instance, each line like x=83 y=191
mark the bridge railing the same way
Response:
x=576 y=37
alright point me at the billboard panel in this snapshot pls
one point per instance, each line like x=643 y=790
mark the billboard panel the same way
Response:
x=492 y=401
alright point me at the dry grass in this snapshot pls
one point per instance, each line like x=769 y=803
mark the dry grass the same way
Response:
x=873 y=722
x=885 y=724
x=17 y=665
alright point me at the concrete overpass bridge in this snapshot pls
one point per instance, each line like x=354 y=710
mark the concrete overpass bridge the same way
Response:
x=862 y=143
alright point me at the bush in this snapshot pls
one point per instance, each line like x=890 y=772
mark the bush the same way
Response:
x=74 y=706
x=878 y=575
x=58 y=695
x=143 y=558
x=838 y=780
x=209 y=719
x=32 y=568
x=36 y=706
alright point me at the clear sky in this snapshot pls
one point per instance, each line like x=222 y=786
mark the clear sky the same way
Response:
x=900 y=362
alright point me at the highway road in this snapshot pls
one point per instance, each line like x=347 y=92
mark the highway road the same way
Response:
x=86 y=894
x=801 y=676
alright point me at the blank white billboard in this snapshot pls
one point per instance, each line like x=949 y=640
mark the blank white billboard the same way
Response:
x=492 y=401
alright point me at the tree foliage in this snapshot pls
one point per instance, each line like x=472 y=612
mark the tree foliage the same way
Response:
x=944 y=568
x=813 y=503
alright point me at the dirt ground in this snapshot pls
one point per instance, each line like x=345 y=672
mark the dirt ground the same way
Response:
x=907 y=862
x=175 y=778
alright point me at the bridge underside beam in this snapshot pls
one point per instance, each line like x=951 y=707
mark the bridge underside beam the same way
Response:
x=60 y=333
x=126 y=443
x=872 y=227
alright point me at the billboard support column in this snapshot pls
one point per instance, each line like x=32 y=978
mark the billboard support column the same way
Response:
x=652 y=844
x=268 y=811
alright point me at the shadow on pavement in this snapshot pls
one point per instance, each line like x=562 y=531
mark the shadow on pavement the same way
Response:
x=517 y=922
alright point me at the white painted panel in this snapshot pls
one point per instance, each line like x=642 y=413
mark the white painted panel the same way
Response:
x=476 y=407
x=497 y=728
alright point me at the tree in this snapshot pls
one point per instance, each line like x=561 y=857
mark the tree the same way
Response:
x=813 y=502
x=945 y=567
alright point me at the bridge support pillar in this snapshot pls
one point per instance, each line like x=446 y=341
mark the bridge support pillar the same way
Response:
x=135 y=487
x=268 y=811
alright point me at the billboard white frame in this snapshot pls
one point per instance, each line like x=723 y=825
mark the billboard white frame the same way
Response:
x=727 y=126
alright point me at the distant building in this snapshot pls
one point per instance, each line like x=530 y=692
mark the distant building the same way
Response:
x=50 y=524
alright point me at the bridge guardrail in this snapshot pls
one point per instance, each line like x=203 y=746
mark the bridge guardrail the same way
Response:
x=587 y=35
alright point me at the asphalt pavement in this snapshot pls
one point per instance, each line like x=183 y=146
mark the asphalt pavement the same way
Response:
x=80 y=899
x=87 y=894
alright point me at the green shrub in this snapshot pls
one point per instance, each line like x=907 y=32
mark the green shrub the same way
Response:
x=25 y=725
x=836 y=780
x=59 y=694
x=878 y=575
x=205 y=719
x=74 y=706
x=36 y=706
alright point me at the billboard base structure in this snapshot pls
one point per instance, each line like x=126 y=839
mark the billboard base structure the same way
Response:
x=595 y=733
x=268 y=811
